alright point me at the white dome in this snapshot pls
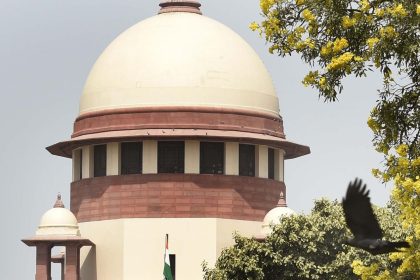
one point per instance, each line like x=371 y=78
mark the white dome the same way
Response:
x=179 y=59
x=273 y=218
x=58 y=221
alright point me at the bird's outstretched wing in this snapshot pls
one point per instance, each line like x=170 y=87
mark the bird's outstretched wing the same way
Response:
x=358 y=212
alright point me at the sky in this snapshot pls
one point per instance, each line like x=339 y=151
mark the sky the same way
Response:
x=47 y=49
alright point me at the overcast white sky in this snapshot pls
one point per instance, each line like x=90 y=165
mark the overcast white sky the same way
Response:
x=46 y=51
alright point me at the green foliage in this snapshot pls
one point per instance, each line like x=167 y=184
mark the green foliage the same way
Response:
x=301 y=247
x=344 y=37
x=339 y=38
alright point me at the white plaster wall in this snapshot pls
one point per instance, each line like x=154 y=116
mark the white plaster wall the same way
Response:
x=105 y=260
x=261 y=161
x=149 y=157
x=87 y=162
x=226 y=227
x=232 y=158
x=192 y=157
x=279 y=165
x=113 y=165
x=76 y=156
x=132 y=249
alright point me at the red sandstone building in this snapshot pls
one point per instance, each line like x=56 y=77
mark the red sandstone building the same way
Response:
x=179 y=132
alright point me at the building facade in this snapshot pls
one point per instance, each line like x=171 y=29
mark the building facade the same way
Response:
x=179 y=133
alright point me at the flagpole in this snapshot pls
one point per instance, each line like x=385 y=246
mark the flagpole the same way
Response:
x=167 y=267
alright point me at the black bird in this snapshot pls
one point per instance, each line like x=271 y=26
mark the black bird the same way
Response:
x=363 y=224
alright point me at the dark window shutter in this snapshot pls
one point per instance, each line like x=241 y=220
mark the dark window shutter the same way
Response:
x=99 y=160
x=246 y=160
x=131 y=157
x=80 y=164
x=212 y=157
x=171 y=156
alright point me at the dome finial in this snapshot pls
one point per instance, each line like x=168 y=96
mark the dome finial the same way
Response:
x=59 y=203
x=282 y=200
x=186 y=6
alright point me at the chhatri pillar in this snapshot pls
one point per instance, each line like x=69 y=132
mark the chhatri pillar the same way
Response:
x=58 y=227
x=43 y=261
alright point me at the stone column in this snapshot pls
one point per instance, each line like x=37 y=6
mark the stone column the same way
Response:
x=72 y=262
x=192 y=157
x=77 y=164
x=150 y=157
x=113 y=165
x=87 y=162
x=43 y=261
x=232 y=158
x=261 y=161
x=279 y=165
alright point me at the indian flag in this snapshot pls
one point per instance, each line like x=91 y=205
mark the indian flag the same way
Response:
x=167 y=274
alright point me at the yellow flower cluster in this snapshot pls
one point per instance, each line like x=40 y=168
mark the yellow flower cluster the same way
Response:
x=313 y=28
x=308 y=15
x=397 y=11
x=327 y=49
x=366 y=272
x=340 y=61
x=310 y=78
x=310 y=43
x=374 y=125
x=340 y=44
x=402 y=150
x=266 y=5
x=292 y=39
x=416 y=162
x=388 y=32
x=379 y=12
x=271 y=28
x=348 y=22
x=254 y=26
x=418 y=9
x=299 y=30
x=406 y=193
x=334 y=47
x=364 y=5
x=273 y=48
x=322 y=83
x=371 y=42
x=403 y=162
x=307 y=43
x=300 y=2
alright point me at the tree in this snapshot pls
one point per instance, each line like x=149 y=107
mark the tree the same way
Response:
x=339 y=38
x=303 y=247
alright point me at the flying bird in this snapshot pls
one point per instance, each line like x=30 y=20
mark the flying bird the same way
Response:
x=363 y=224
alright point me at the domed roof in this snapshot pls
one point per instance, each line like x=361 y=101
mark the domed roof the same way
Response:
x=58 y=221
x=274 y=215
x=179 y=58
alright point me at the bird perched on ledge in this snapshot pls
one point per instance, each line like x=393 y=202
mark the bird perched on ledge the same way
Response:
x=363 y=224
